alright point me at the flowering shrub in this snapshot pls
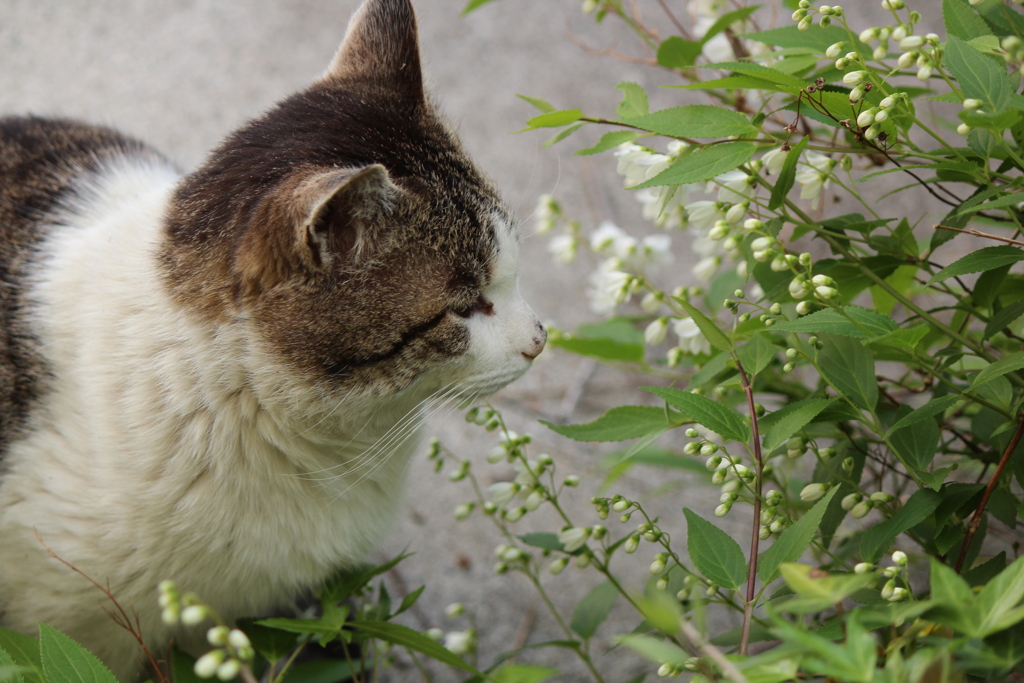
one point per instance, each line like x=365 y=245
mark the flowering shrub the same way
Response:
x=852 y=381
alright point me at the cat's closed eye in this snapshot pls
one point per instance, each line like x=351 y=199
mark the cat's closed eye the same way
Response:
x=481 y=305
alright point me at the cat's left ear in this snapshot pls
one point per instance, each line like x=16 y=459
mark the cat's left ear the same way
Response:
x=381 y=48
x=339 y=213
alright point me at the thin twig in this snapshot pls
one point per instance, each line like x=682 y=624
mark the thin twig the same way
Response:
x=675 y=22
x=978 y=233
x=748 y=607
x=713 y=653
x=122 y=619
x=976 y=519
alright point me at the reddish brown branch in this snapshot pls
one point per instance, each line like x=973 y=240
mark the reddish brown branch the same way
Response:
x=976 y=519
x=131 y=623
x=748 y=608
x=978 y=233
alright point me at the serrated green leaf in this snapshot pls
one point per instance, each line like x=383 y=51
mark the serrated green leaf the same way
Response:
x=703 y=164
x=858 y=323
x=677 y=53
x=756 y=354
x=787 y=176
x=961 y=21
x=414 y=640
x=878 y=538
x=634 y=101
x=10 y=671
x=791 y=419
x=25 y=652
x=1010 y=363
x=694 y=121
x=1004 y=317
x=708 y=327
x=792 y=543
x=541 y=104
x=554 y=119
x=273 y=644
x=316 y=626
x=997 y=122
x=934 y=407
x=740 y=82
x=65 y=661
x=997 y=600
x=618 y=424
x=916 y=445
x=955 y=604
x=715 y=554
x=562 y=134
x=814 y=37
x=816 y=593
x=605 y=349
x=593 y=609
x=849 y=366
x=712 y=415
x=790 y=84
x=610 y=141
x=977 y=74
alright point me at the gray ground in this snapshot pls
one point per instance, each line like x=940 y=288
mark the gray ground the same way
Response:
x=182 y=73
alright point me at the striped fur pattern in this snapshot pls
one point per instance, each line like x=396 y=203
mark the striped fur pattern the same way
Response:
x=217 y=378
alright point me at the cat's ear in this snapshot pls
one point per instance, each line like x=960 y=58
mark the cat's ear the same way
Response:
x=339 y=211
x=381 y=47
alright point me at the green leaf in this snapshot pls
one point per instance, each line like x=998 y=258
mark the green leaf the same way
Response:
x=618 y=424
x=983 y=259
x=1010 y=363
x=703 y=164
x=542 y=539
x=819 y=592
x=562 y=134
x=10 y=671
x=272 y=643
x=677 y=53
x=65 y=661
x=791 y=419
x=319 y=627
x=1004 y=317
x=756 y=354
x=787 y=176
x=954 y=602
x=997 y=600
x=715 y=554
x=523 y=673
x=708 y=327
x=694 y=121
x=858 y=323
x=961 y=21
x=555 y=119
x=814 y=37
x=593 y=609
x=322 y=671
x=347 y=582
x=183 y=668
x=711 y=414
x=406 y=637
x=610 y=141
x=878 y=538
x=726 y=20
x=539 y=103
x=634 y=101
x=738 y=82
x=657 y=650
x=792 y=543
x=605 y=349
x=25 y=652
x=977 y=74
x=472 y=5
x=850 y=368
x=916 y=445
x=934 y=407
x=783 y=81
x=997 y=122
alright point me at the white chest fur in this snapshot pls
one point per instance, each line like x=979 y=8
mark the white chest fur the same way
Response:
x=152 y=458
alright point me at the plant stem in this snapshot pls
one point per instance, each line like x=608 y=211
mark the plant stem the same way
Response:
x=976 y=519
x=755 y=538
x=978 y=233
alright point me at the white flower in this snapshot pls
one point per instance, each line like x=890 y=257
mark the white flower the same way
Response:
x=629 y=153
x=459 y=642
x=706 y=268
x=502 y=493
x=815 y=178
x=656 y=331
x=526 y=473
x=651 y=303
x=656 y=249
x=563 y=248
x=774 y=159
x=609 y=287
x=734 y=186
x=690 y=336
x=603 y=239
x=704 y=214
x=547 y=210
x=573 y=538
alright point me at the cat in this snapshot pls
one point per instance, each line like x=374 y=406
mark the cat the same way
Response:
x=214 y=378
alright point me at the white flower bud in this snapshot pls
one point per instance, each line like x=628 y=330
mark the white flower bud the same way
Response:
x=899 y=33
x=206 y=666
x=656 y=331
x=515 y=514
x=812 y=492
x=714 y=462
x=863 y=568
x=657 y=567
x=963 y=129
x=871 y=133
x=228 y=671
x=218 y=636
x=651 y=303
x=708 y=448
x=825 y=293
x=850 y=500
x=887 y=102
x=764 y=533
x=503 y=492
x=861 y=509
x=558 y=565
x=911 y=43
x=718 y=478
x=866 y=117
x=854 y=78
x=880 y=497
x=857 y=94
x=573 y=538
x=880 y=117
x=868 y=35
x=631 y=544
x=892 y=572
x=723 y=509
x=900 y=558
x=798 y=288
x=835 y=49
x=924 y=73
x=195 y=614
x=572 y=481
x=454 y=610
x=972 y=103
x=761 y=243
x=779 y=263
x=898 y=593
x=888 y=589
x=753 y=224
x=459 y=642
x=881 y=52
x=434 y=634
x=736 y=213
x=906 y=59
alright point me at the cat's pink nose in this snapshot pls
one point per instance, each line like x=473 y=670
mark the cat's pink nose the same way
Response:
x=539 y=339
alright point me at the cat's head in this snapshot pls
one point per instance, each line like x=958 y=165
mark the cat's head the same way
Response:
x=352 y=237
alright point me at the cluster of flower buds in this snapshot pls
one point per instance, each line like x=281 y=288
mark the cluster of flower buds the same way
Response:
x=805 y=13
x=869 y=118
x=460 y=642
x=233 y=649
x=670 y=670
x=1013 y=49
x=485 y=417
x=890 y=591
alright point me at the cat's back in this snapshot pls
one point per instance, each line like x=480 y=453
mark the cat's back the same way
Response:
x=44 y=164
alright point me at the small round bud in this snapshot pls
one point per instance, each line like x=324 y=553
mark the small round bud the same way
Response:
x=850 y=500
x=713 y=463
x=963 y=129
x=454 y=610
x=863 y=568
x=708 y=448
x=861 y=509
x=194 y=614
x=572 y=480
x=691 y=433
x=218 y=636
x=723 y=509
x=558 y=565
x=880 y=497
x=835 y=49
x=900 y=558
x=813 y=492
x=764 y=533
x=631 y=544
x=207 y=665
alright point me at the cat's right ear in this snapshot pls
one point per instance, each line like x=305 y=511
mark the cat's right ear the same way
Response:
x=381 y=47
x=339 y=212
